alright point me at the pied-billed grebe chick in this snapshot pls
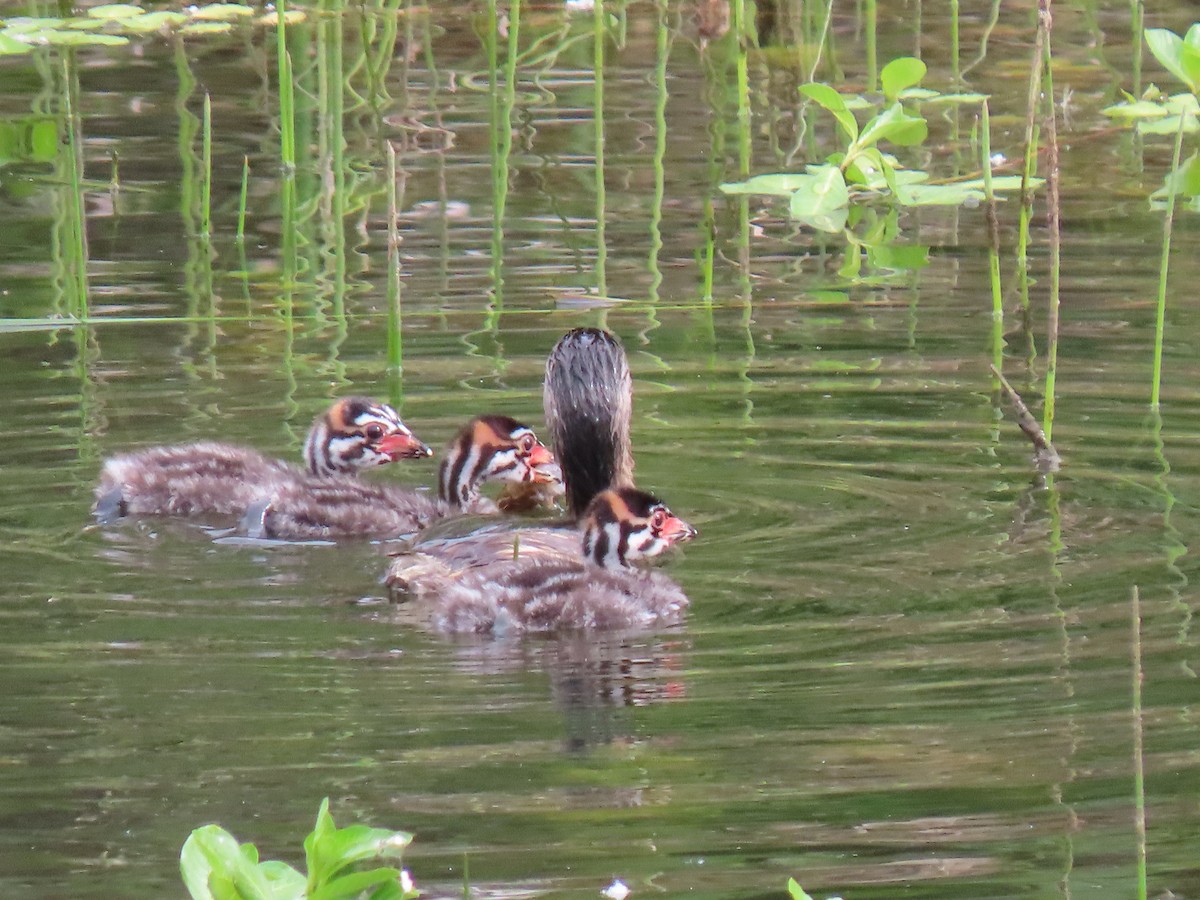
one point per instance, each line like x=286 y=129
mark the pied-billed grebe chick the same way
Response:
x=562 y=581
x=488 y=448
x=210 y=478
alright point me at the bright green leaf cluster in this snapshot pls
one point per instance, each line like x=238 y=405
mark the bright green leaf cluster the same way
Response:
x=822 y=197
x=216 y=867
x=1178 y=55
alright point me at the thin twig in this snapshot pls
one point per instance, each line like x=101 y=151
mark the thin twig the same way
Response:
x=1028 y=423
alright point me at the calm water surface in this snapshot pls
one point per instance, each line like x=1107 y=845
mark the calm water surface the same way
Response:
x=907 y=671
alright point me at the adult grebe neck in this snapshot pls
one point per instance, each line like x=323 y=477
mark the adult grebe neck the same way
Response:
x=588 y=398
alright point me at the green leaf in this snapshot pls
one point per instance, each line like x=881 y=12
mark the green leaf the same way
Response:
x=895 y=125
x=1169 y=125
x=58 y=38
x=779 y=185
x=215 y=867
x=155 y=21
x=831 y=100
x=938 y=195
x=903 y=258
x=222 y=12
x=823 y=201
x=199 y=28
x=1000 y=183
x=901 y=73
x=1179 y=58
x=1138 y=109
x=1183 y=182
x=797 y=892
x=968 y=97
x=355 y=883
x=10 y=45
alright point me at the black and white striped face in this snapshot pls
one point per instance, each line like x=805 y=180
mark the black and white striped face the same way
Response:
x=358 y=433
x=493 y=448
x=624 y=524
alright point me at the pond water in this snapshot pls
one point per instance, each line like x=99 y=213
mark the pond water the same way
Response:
x=908 y=668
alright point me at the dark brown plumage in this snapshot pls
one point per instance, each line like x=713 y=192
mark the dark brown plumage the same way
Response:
x=563 y=578
x=559 y=580
x=488 y=448
x=210 y=478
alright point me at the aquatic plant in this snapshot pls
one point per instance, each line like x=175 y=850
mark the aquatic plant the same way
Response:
x=798 y=893
x=216 y=867
x=114 y=23
x=861 y=172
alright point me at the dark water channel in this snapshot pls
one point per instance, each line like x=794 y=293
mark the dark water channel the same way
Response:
x=907 y=670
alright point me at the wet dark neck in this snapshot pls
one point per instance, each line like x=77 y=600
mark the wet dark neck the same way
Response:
x=588 y=397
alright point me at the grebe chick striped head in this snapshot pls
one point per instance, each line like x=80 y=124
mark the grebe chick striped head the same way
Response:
x=358 y=433
x=622 y=525
x=493 y=448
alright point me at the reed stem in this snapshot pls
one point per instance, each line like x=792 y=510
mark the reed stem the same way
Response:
x=1164 y=264
x=206 y=175
x=241 y=220
x=287 y=101
x=395 y=349
x=598 y=41
x=1139 y=777
x=985 y=140
x=1053 y=217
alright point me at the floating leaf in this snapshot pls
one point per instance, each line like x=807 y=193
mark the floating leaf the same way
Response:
x=797 y=892
x=115 y=11
x=291 y=17
x=831 y=100
x=938 y=195
x=10 y=45
x=198 y=28
x=969 y=97
x=902 y=72
x=1138 y=109
x=1168 y=125
x=780 y=185
x=59 y=38
x=222 y=12
x=27 y=24
x=857 y=102
x=1000 y=183
x=823 y=200
x=917 y=93
x=155 y=21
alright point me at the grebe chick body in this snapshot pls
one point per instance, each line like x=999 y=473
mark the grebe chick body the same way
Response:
x=211 y=478
x=560 y=580
x=488 y=448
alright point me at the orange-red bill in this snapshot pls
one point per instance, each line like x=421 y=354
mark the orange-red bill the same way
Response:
x=676 y=531
x=540 y=455
x=402 y=446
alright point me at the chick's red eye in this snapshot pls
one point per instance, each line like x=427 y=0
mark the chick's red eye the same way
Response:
x=658 y=518
x=374 y=432
x=527 y=443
